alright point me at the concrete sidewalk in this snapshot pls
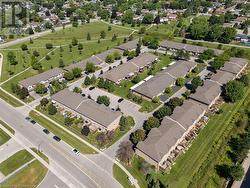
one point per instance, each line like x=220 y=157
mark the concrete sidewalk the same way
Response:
x=8 y=149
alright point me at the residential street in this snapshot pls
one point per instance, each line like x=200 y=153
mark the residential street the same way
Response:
x=75 y=171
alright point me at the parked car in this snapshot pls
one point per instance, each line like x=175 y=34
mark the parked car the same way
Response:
x=33 y=121
x=91 y=88
x=57 y=138
x=120 y=100
x=83 y=95
x=46 y=131
x=76 y=151
x=28 y=118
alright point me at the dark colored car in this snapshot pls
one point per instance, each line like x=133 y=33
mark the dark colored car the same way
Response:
x=120 y=100
x=46 y=131
x=28 y=118
x=83 y=95
x=57 y=138
x=33 y=122
x=91 y=88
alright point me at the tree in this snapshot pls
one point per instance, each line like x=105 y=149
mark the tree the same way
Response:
x=199 y=27
x=207 y=54
x=109 y=59
x=151 y=123
x=80 y=46
x=24 y=47
x=77 y=90
x=126 y=122
x=228 y=35
x=61 y=63
x=12 y=58
x=236 y=172
x=217 y=63
x=90 y=67
x=77 y=72
x=183 y=55
x=52 y=109
x=214 y=33
x=47 y=57
x=74 y=41
x=128 y=16
x=85 y=130
x=103 y=100
x=138 y=47
x=87 y=81
x=131 y=55
x=168 y=90
x=162 y=112
x=23 y=93
x=36 y=53
x=102 y=34
x=40 y=88
x=150 y=41
x=174 y=102
x=136 y=79
x=125 y=152
x=116 y=55
x=49 y=46
x=68 y=76
x=137 y=136
x=44 y=102
x=148 y=18
x=245 y=80
x=114 y=38
x=234 y=90
x=195 y=83
x=180 y=81
x=88 y=36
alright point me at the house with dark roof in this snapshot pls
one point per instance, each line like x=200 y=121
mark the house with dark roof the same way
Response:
x=174 y=46
x=129 y=69
x=130 y=45
x=166 y=78
x=100 y=116
x=43 y=78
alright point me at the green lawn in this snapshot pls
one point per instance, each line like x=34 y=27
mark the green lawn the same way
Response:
x=74 y=142
x=15 y=161
x=9 y=99
x=44 y=157
x=4 y=137
x=30 y=176
x=7 y=127
x=190 y=162
x=121 y=177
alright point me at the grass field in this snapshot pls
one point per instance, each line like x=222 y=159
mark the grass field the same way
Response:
x=7 y=127
x=12 y=101
x=30 y=176
x=121 y=177
x=189 y=163
x=15 y=161
x=4 y=137
x=74 y=142
x=63 y=38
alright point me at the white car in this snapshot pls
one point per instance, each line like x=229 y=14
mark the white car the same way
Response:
x=76 y=151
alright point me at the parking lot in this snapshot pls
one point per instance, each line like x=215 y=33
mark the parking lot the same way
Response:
x=127 y=107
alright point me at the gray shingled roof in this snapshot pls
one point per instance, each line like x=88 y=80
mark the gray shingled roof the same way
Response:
x=180 y=68
x=222 y=77
x=235 y=65
x=156 y=85
x=41 y=77
x=102 y=56
x=144 y=59
x=188 y=113
x=82 y=64
x=207 y=93
x=186 y=47
x=131 y=45
x=160 y=140
x=86 y=107
x=122 y=71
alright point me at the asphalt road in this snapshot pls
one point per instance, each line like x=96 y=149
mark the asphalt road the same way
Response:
x=75 y=171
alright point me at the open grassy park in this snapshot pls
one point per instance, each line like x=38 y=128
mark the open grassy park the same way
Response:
x=61 y=40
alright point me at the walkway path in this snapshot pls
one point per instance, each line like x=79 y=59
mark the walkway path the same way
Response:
x=8 y=149
x=16 y=171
